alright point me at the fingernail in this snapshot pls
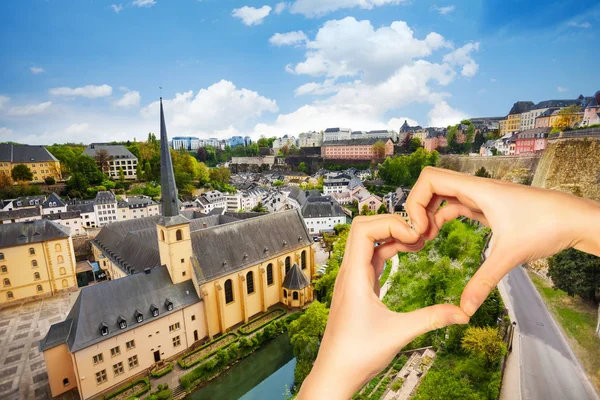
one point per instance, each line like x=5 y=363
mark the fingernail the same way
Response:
x=471 y=306
x=459 y=319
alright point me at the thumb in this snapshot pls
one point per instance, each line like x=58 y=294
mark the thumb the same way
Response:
x=498 y=263
x=415 y=323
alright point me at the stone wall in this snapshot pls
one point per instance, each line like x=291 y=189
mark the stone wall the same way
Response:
x=500 y=167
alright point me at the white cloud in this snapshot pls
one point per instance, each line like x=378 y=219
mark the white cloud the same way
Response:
x=317 y=88
x=462 y=56
x=36 y=70
x=129 y=99
x=214 y=108
x=583 y=24
x=144 y=3
x=117 y=7
x=89 y=91
x=444 y=10
x=4 y=101
x=561 y=89
x=396 y=123
x=29 y=109
x=347 y=47
x=280 y=7
x=250 y=15
x=78 y=128
x=289 y=38
x=318 y=8
x=442 y=115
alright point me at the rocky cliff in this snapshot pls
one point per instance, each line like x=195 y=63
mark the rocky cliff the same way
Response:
x=500 y=167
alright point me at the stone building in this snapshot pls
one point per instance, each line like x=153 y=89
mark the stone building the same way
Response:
x=358 y=149
x=37 y=158
x=117 y=158
x=36 y=259
x=192 y=280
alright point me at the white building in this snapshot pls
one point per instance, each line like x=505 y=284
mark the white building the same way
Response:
x=118 y=158
x=53 y=205
x=105 y=208
x=285 y=140
x=210 y=200
x=70 y=220
x=310 y=139
x=337 y=134
x=86 y=210
x=336 y=184
x=137 y=207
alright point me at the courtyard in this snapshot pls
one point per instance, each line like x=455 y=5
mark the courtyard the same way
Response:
x=22 y=367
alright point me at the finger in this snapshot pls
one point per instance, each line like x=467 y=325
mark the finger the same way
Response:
x=498 y=263
x=412 y=324
x=435 y=181
x=391 y=249
x=366 y=231
x=452 y=210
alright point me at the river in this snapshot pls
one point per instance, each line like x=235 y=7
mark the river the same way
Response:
x=264 y=375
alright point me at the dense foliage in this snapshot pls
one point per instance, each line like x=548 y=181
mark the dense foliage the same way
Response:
x=405 y=170
x=576 y=273
x=21 y=172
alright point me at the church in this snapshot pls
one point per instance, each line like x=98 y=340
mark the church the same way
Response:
x=179 y=281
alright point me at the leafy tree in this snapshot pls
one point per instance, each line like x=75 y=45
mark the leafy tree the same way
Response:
x=260 y=208
x=102 y=158
x=441 y=385
x=278 y=183
x=5 y=180
x=576 y=273
x=484 y=342
x=478 y=141
x=77 y=184
x=382 y=209
x=21 y=172
x=379 y=149
x=482 y=172
x=494 y=151
x=405 y=170
x=201 y=154
x=567 y=117
x=50 y=180
x=182 y=179
x=302 y=167
x=220 y=175
x=364 y=210
x=121 y=174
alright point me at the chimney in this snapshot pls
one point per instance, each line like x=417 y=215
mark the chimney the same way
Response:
x=147 y=271
x=204 y=225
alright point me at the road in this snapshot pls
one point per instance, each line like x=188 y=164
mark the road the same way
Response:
x=386 y=285
x=548 y=368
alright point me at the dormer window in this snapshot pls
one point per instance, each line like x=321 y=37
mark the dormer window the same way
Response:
x=169 y=305
x=122 y=323
x=154 y=310
x=139 y=317
x=103 y=329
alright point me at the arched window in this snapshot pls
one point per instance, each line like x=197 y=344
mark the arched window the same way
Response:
x=1 y=256
x=31 y=251
x=303 y=259
x=270 y=274
x=57 y=247
x=295 y=295
x=162 y=235
x=40 y=289
x=6 y=282
x=62 y=271
x=179 y=235
x=9 y=295
x=36 y=276
x=284 y=294
x=288 y=260
x=228 y=291
x=34 y=263
x=250 y=282
x=65 y=283
x=66 y=382
x=3 y=269
x=60 y=259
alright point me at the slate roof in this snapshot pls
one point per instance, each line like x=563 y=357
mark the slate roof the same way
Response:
x=23 y=153
x=353 y=142
x=295 y=279
x=331 y=130
x=105 y=197
x=224 y=249
x=136 y=202
x=37 y=231
x=31 y=212
x=321 y=207
x=546 y=113
x=63 y=215
x=115 y=151
x=53 y=198
x=28 y=201
x=82 y=207
x=533 y=133
x=520 y=107
x=106 y=302
x=354 y=183
x=555 y=103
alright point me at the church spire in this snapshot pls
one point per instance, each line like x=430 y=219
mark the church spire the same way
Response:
x=170 y=206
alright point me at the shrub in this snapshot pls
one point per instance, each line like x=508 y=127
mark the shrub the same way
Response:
x=227 y=337
x=50 y=180
x=129 y=386
x=397 y=385
x=162 y=372
x=261 y=321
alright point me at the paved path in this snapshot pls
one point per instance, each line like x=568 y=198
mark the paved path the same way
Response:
x=386 y=285
x=548 y=368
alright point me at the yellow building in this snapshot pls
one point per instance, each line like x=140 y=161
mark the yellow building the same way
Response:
x=503 y=126
x=180 y=281
x=36 y=259
x=571 y=119
x=39 y=160
x=513 y=121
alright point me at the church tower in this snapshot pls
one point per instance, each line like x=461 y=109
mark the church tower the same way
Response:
x=174 y=237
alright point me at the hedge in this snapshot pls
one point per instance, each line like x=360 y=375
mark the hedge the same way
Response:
x=127 y=387
x=186 y=366
x=162 y=372
x=279 y=311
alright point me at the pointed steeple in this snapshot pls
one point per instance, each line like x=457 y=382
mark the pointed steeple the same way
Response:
x=168 y=189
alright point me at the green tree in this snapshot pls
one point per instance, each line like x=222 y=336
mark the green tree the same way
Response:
x=364 y=210
x=379 y=149
x=50 y=180
x=382 y=209
x=482 y=172
x=442 y=385
x=278 y=183
x=121 y=174
x=302 y=167
x=260 y=208
x=77 y=184
x=485 y=342
x=576 y=273
x=21 y=172
x=88 y=167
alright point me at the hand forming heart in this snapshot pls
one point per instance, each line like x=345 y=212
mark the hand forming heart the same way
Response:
x=363 y=335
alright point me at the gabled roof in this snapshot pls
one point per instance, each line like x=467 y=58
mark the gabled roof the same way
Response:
x=120 y=297
x=105 y=197
x=520 y=107
x=115 y=151
x=53 y=198
x=547 y=113
x=19 y=213
x=353 y=142
x=37 y=231
x=295 y=279
x=321 y=207
x=28 y=201
x=23 y=153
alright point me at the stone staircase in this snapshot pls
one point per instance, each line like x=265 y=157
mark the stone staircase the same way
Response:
x=178 y=392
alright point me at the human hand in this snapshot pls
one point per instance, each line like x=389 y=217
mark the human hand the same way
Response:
x=362 y=335
x=527 y=223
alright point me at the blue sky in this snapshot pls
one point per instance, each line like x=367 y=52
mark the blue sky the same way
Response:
x=83 y=70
